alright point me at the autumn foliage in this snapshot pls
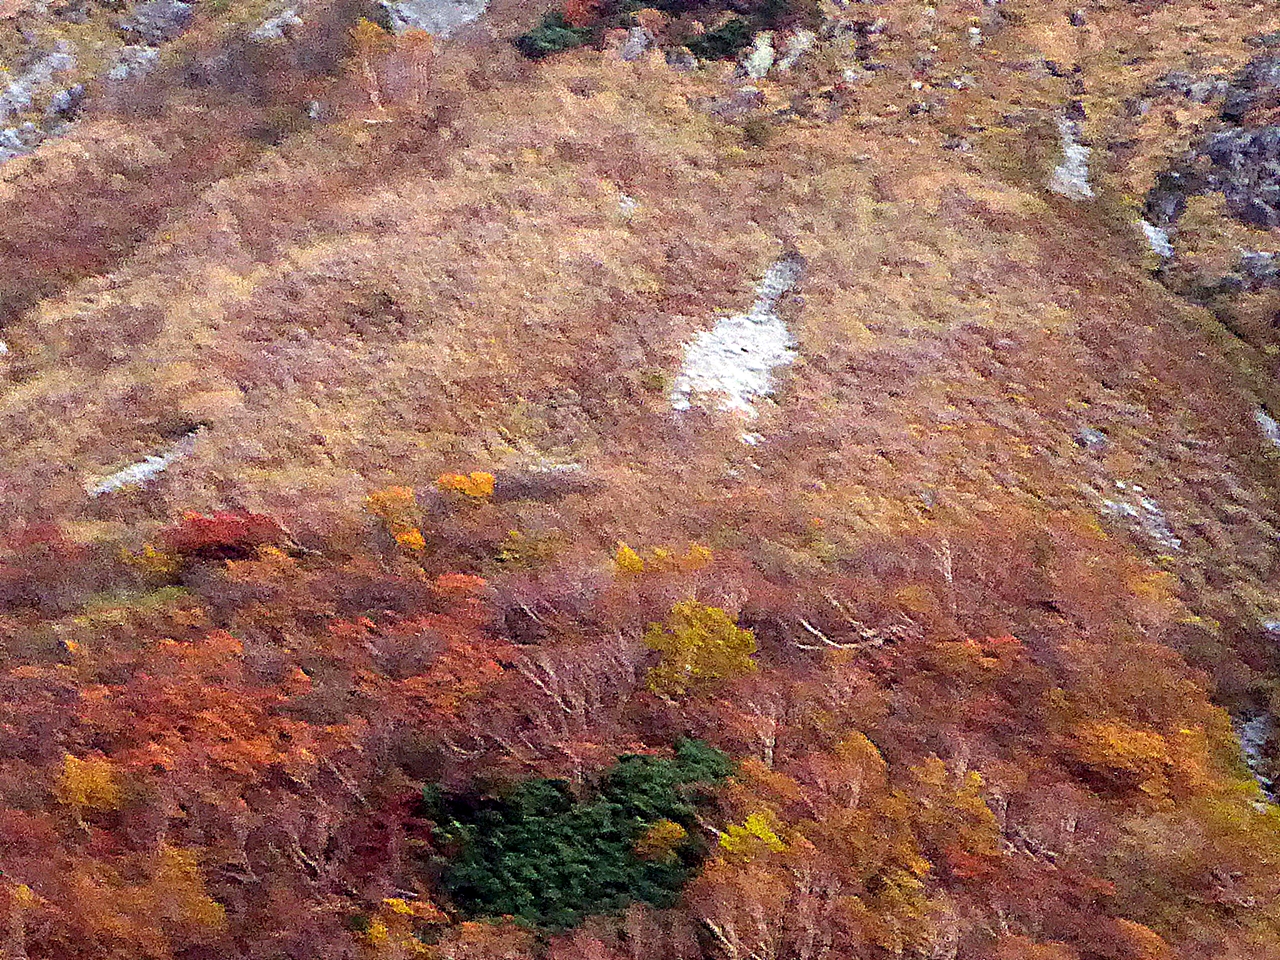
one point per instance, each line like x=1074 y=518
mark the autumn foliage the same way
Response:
x=232 y=726
x=221 y=535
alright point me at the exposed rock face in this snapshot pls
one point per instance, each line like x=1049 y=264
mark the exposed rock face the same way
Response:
x=277 y=27
x=437 y=17
x=1246 y=169
x=1242 y=162
x=638 y=41
x=132 y=61
x=20 y=93
x=794 y=47
x=1092 y=439
x=737 y=105
x=1257 y=86
x=64 y=104
x=20 y=96
x=681 y=58
x=1130 y=504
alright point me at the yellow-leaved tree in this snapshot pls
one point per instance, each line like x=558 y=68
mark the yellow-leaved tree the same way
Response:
x=700 y=645
x=87 y=784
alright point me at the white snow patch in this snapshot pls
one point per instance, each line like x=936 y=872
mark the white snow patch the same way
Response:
x=1142 y=512
x=1268 y=425
x=734 y=360
x=1157 y=238
x=1071 y=177
x=137 y=474
x=758 y=62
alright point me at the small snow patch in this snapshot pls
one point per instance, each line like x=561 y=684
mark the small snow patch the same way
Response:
x=1143 y=513
x=760 y=59
x=1071 y=177
x=734 y=360
x=138 y=474
x=1157 y=239
x=1268 y=425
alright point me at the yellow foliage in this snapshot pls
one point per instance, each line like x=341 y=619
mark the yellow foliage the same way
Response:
x=660 y=840
x=628 y=560
x=699 y=645
x=1124 y=755
x=392 y=930
x=412 y=538
x=695 y=558
x=181 y=892
x=917 y=598
x=369 y=38
x=753 y=836
x=378 y=933
x=152 y=561
x=1158 y=586
x=87 y=784
x=950 y=810
x=397 y=508
x=476 y=484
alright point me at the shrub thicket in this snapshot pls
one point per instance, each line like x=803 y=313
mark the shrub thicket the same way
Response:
x=542 y=855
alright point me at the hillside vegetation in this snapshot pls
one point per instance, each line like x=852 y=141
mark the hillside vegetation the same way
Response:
x=366 y=589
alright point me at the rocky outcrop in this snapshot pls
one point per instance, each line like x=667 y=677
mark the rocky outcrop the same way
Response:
x=156 y=21
x=437 y=17
x=1241 y=160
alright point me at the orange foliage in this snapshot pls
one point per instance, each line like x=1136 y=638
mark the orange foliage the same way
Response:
x=476 y=484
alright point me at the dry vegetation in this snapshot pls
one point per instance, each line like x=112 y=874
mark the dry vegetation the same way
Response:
x=441 y=277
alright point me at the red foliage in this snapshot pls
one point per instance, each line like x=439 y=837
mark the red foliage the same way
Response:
x=581 y=13
x=222 y=536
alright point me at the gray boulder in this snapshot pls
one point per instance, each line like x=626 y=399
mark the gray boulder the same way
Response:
x=637 y=43
x=156 y=21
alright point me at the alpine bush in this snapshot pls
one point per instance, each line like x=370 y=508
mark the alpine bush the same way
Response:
x=538 y=853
